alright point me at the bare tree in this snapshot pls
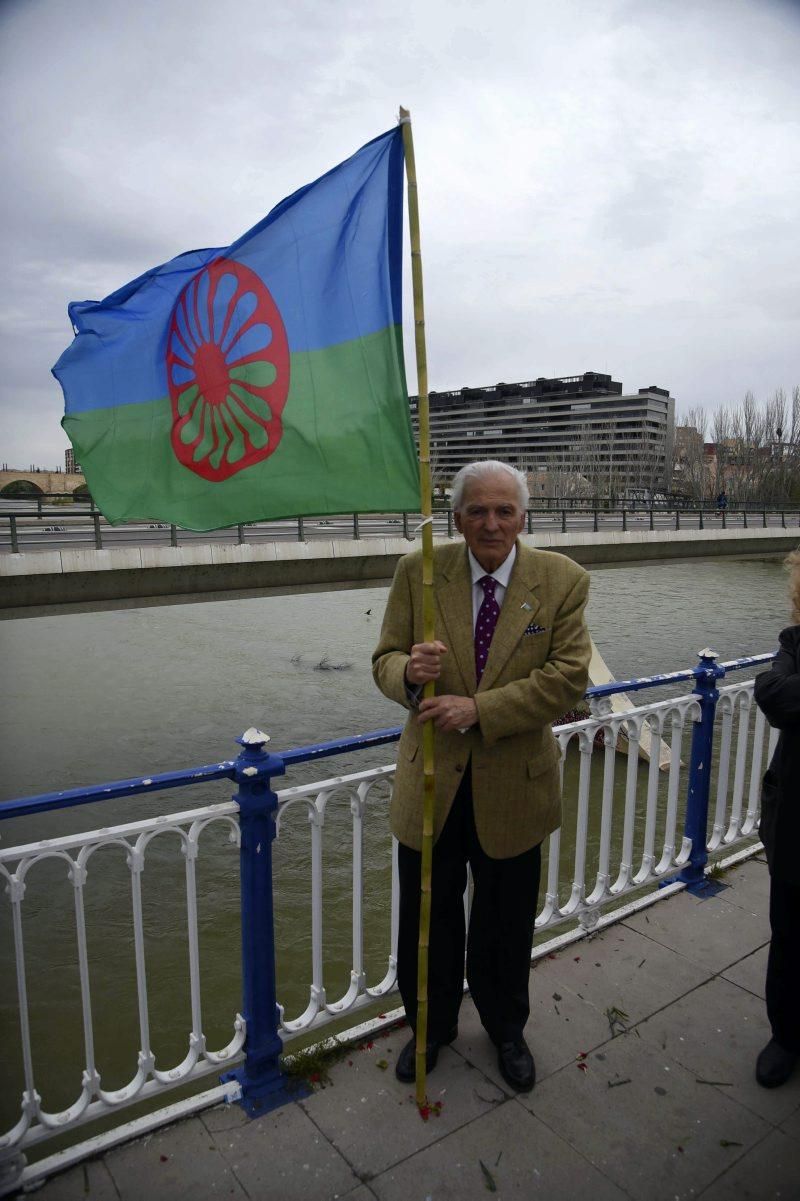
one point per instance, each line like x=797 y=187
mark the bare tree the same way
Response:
x=690 y=472
x=757 y=450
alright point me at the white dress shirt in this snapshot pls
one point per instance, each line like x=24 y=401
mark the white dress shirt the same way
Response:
x=501 y=577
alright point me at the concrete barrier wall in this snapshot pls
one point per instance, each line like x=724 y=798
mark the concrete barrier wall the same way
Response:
x=79 y=577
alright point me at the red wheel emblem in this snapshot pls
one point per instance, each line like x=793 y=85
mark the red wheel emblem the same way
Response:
x=228 y=371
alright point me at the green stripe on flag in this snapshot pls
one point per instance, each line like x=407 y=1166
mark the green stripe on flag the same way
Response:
x=347 y=446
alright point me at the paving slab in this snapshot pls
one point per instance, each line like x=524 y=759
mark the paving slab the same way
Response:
x=771 y=1172
x=751 y=972
x=637 y=1118
x=712 y=933
x=508 y=1152
x=560 y=1026
x=371 y=1118
x=747 y=886
x=175 y=1162
x=792 y=1124
x=716 y=1034
x=226 y=1116
x=89 y=1179
x=282 y=1156
x=623 y=969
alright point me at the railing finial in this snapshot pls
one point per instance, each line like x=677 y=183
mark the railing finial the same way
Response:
x=253 y=738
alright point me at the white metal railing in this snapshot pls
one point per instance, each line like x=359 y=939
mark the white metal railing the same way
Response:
x=626 y=837
x=146 y=1080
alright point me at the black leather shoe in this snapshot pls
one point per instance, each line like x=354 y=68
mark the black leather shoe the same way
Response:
x=775 y=1065
x=516 y=1065
x=406 y=1067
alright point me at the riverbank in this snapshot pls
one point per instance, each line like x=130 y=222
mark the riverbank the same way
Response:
x=645 y=1038
x=42 y=582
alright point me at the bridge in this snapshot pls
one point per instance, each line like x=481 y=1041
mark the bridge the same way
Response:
x=663 y=1106
x=647 y=992
x=31 y=483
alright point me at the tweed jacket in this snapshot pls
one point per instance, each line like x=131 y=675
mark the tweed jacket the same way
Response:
x=536 y=671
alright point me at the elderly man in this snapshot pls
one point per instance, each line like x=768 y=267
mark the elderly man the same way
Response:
x=514 y=656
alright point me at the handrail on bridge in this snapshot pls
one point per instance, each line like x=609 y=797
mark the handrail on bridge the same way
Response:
x=587 y=503
x=542 y=509
x=70 y=798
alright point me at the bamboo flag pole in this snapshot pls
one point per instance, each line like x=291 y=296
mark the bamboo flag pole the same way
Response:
x=427 y=604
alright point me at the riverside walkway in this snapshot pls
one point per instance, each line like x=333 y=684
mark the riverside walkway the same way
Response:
x=645 y=1037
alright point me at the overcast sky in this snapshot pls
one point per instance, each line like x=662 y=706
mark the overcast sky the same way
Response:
x=607 y=185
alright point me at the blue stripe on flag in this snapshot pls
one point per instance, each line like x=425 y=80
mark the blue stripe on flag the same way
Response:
x=330 y=254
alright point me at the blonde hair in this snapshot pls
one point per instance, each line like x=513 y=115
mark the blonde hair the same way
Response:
x=792 y=563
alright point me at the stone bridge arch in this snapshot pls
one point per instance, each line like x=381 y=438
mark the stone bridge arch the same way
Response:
x=30 y=484
x=21 y=489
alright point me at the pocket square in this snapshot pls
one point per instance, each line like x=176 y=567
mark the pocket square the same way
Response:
x=533 y=628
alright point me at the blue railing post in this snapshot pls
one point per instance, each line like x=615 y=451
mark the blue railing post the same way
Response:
x=261 y=1077
x=706 y=675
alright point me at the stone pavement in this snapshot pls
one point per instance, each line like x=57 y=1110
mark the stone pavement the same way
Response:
x=645 y=1038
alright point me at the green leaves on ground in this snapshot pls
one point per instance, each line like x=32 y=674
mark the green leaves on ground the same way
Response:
x=617 y=1020
x=488 y=1178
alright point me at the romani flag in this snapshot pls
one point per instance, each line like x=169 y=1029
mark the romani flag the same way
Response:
x=259 y=381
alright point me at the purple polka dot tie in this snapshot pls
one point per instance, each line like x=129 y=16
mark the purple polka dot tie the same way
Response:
x=484 y=627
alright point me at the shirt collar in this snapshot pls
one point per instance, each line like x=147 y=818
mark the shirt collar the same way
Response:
x=503 y=573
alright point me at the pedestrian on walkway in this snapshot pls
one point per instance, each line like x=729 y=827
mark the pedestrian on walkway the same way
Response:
x=777 y=693
x=514 y=656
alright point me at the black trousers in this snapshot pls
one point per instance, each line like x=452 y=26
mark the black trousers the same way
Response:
x=783 y=964
x=498 y=947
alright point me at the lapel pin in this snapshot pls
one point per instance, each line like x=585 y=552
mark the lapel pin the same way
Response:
x=525 y=606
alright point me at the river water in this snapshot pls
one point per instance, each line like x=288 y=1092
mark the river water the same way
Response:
x=99 y=696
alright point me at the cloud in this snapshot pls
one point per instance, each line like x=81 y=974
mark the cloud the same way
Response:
x=610 y=187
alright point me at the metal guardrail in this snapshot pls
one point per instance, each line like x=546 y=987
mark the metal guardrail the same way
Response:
x=647 y=851
x=577 y=503
x=539 y=516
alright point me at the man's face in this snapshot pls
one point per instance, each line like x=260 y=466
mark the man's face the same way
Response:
x=490 y=518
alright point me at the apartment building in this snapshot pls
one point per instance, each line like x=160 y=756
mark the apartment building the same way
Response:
x=572 y=426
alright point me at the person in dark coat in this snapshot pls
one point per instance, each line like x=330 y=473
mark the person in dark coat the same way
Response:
x=777 y=693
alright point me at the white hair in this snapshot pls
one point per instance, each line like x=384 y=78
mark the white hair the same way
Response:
x=479 y=471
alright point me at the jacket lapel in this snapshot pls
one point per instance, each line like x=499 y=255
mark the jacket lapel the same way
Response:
x=520 y=605
x=454 y=598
